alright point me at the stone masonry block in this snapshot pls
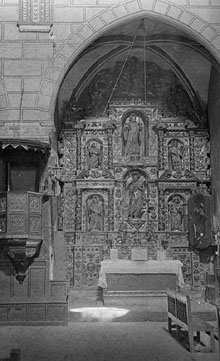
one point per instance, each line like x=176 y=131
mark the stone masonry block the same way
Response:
x=28 y=100
x=217 y=28
x=208 y=14
x=3 y=102
x=209 y=33
x=11 y=50
x=32 y=115
x=59 y=62
x=147 y=5
x=48 y=87
x=22 y=67
x=9 y=12
x=120 y=11
x=174 y=12
x=109 y=2
x=44 y=101
x=11 y=32
x=44 y=64
x=161 y=7
x=108 y=17
x=198 y=24
x=12 y=84
x=133 y=6
x=85 y=31
x=180 y=2
x=93 y=11
x=61 y=31
x=67 y=51
x=216 y=42
x=199 y=2
x=14 y=100
x=75 y=40
x=68 y=14
x=32 y=84
x=186 y=17
x=96 y=23
x=10 y=115
x=38 y=50
x=2 y=89
x=53 y=74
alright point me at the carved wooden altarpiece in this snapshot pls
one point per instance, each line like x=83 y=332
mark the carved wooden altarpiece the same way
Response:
x=127 y=179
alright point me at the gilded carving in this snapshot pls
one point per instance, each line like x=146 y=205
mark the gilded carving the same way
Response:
x=70 y=210
x=176 y=213
x=95 y=213
x=129 y=180
x=133 y=135
x=94 y=154
x=135 y=195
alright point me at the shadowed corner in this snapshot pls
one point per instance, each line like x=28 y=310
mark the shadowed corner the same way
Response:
x=102 y=314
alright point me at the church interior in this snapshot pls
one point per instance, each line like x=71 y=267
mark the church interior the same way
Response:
x=109 y=179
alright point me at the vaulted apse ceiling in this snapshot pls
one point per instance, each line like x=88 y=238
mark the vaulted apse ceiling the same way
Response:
x=146 y=39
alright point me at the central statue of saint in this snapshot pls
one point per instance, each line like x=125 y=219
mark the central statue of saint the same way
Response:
x=133 y=135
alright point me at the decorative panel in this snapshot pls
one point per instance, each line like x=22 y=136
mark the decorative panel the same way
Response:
x=86 y=266
x=35 y=15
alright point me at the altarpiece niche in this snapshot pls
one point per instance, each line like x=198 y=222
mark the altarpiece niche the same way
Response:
x=128 y=175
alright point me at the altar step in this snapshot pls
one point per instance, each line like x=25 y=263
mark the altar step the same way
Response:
x=88 y=306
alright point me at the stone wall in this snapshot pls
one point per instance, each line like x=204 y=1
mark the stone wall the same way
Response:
x=33 y=64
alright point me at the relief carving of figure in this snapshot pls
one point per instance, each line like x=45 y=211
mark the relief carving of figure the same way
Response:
x=135 y=196
x=176 y=155
x=176 y=212
x=95 y=213
x=94 y=155
x=133 y=135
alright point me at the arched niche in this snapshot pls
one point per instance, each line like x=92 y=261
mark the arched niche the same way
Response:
x=135 y=190
x=95 y=213
x=135 y=133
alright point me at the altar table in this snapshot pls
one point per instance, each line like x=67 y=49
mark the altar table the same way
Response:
x=125 y=275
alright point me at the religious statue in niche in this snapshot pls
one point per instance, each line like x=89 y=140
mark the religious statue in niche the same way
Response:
x=200 y=210
x=134 y=199
x=94 y=154
x=133 y=135
x=176 y=155
x=176 y=213
x=95 y=213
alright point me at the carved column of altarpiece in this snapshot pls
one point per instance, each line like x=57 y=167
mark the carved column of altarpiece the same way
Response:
x=127 y=179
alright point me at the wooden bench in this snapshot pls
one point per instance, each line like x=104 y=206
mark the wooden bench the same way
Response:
x=180 y=317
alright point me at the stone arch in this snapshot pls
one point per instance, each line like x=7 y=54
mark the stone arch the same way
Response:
x=112 y=16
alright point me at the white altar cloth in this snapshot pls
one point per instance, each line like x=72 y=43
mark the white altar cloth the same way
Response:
x=140 y=267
